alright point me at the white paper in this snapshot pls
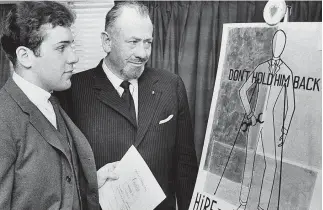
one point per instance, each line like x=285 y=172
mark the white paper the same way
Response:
x=136 y=187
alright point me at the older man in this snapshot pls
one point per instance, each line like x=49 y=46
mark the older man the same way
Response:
x=121 y=103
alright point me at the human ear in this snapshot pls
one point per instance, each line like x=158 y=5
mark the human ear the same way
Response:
x=25 y=56
x=106 y=41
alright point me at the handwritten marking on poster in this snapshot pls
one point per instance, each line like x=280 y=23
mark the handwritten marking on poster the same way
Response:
x=299 y=82
x=205 y=201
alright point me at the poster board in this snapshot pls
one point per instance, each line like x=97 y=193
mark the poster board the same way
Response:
x=262 y=148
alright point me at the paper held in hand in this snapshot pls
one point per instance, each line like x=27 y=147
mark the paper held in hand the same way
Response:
x=136 y=187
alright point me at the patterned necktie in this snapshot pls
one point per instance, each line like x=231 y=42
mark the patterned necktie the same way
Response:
x=127 y=97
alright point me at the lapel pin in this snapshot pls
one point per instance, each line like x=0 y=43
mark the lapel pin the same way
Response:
x=153 y=92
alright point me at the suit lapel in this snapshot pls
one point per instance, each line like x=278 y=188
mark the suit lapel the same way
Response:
x=108 y=95
x=46 y=130
x=148 y=98
x=83 y=149
x=36 y=118
x=49 y=133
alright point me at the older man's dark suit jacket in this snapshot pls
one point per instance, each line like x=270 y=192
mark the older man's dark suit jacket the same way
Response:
x=97 y=109
x=33 y=163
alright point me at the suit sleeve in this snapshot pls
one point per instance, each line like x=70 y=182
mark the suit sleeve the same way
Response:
x=7 y=165
x=186 y=170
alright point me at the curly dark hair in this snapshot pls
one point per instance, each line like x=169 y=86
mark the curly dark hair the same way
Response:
x=23 y=25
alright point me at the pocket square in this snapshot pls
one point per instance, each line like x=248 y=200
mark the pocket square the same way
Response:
x=166 y=120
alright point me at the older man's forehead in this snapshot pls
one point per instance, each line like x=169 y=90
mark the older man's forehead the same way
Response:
x=132 y=16
x=139 y=28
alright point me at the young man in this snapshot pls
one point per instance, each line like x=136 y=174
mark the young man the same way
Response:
x=121 y=103
x=45 y=160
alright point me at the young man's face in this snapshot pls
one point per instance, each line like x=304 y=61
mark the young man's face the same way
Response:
x=53 y=67
x=130 y=44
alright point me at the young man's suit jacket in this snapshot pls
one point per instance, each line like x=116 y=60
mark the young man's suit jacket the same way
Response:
x=34 y=169
x=168 y=148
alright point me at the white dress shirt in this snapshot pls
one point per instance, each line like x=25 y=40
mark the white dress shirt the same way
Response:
x=37 y=96
x=116 y=82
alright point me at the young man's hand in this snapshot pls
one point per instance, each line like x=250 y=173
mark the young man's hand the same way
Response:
x=106 y=173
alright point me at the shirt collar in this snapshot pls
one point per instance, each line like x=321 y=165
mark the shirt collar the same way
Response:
x=114 y=79
x=34 y=93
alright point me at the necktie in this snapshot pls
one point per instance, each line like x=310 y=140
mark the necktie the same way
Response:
x=59 y=119
x=61 y=126
x=127 y=97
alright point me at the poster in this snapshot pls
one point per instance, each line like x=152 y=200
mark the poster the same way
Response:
x=262 y=147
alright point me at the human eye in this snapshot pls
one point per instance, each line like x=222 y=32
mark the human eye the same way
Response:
x=61 y=48
x=133 y=42
x=148 y=43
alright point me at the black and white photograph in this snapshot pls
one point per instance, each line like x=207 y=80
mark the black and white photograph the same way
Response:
x=160 y=105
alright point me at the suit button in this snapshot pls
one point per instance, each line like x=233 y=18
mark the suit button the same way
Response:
x=68 y=179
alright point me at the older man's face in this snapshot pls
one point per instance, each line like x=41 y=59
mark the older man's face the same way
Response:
x=130 y=44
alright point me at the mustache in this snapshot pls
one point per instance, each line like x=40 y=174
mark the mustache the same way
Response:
x=138 y=60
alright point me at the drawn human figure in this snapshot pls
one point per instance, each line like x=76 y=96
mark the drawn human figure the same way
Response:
x=263 y=130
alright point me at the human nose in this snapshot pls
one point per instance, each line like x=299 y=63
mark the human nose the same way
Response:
x=141 y=50
x=72 y=58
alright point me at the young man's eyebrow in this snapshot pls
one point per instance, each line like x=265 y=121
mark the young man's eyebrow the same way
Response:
x=65 y=42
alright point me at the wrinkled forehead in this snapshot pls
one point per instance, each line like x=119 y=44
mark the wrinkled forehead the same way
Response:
x=130 y=20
